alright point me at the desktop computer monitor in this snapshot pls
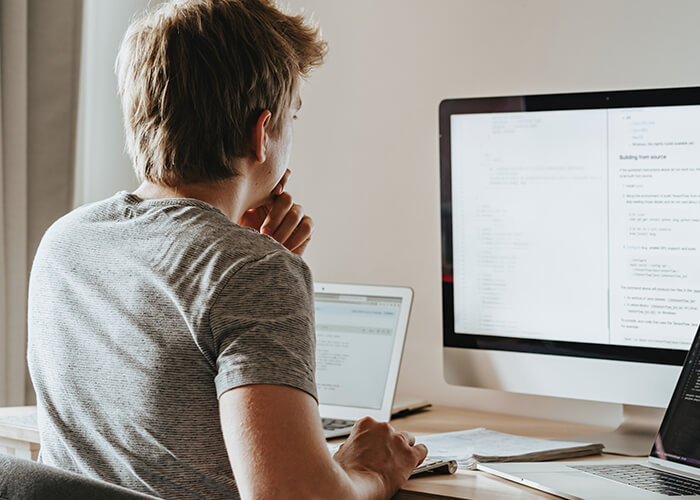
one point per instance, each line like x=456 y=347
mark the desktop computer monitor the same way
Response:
x=571 y=243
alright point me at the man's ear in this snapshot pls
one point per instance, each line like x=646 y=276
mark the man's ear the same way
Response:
x=260 y=136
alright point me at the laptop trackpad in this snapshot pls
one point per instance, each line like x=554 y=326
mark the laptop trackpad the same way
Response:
x=560 y=480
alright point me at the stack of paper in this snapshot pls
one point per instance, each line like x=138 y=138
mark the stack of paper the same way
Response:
x=482 y=445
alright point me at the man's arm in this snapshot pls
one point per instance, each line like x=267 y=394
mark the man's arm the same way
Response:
x=277 y=449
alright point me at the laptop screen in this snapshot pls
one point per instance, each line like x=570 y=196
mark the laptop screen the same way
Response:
x=354 y=344
x=679 y=437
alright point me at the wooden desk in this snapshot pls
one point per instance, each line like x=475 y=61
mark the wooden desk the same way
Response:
x=17 y=434
x=474 y=484
x=23 y=441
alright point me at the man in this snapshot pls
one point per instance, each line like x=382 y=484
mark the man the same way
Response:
x=172 y=347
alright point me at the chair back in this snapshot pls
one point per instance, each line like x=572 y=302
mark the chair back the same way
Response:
x=27 y=480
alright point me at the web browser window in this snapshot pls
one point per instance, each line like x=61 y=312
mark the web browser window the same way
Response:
x=354 y=342
x=578 y=225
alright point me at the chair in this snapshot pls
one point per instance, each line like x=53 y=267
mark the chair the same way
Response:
x=22 y=479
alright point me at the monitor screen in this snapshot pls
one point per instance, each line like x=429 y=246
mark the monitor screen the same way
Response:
x=571 y=223
x=678 y=438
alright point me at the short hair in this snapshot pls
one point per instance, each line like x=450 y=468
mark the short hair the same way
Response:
x=194 y=76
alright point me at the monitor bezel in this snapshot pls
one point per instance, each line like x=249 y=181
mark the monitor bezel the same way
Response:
x=542 y=102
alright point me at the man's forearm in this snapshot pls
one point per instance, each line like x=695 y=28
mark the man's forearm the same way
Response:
x=368 y=485
x=359 y=484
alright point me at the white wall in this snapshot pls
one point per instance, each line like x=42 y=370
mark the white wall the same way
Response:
x=365 y=163
x=102 y=166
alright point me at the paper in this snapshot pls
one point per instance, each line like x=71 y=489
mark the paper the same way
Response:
x=482 y=445
x=472 y=446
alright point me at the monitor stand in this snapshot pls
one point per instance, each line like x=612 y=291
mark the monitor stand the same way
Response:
x=634 y=436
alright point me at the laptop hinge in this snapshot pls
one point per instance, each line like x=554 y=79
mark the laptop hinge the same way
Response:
x=666 y=466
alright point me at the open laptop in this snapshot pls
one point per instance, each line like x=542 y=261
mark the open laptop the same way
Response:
x=360 y=333
x=672 y=468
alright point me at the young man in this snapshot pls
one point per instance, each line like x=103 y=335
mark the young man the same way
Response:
x=171 y=346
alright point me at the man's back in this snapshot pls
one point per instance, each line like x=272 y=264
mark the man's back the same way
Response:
x=164 y=338
x=141 y=314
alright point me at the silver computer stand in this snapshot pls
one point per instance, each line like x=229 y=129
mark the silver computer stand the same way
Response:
x=634 y=436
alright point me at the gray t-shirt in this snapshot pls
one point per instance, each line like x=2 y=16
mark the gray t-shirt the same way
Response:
x=141 y=314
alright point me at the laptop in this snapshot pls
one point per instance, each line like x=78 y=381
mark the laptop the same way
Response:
x=360 y=333
x=671 y=470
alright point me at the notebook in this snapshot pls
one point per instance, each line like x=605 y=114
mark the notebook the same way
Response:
x=672 y=468
x=360 y=333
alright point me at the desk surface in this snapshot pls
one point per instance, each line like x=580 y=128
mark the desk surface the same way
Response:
x=474 y=484
x=19 y=422
x=463 y=485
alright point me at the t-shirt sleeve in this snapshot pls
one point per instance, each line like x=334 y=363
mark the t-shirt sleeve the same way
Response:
x=262 y=323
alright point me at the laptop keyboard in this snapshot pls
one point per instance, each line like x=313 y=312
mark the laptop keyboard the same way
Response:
x=331 y=424
x=645 y=478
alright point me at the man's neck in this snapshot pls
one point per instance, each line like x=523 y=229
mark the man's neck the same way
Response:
x=224 y=195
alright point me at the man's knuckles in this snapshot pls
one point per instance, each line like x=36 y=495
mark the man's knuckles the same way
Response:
x=284 y=201
x=307 y=224
x=297 y=211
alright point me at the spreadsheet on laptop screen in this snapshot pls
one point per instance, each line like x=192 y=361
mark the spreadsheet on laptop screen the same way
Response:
x=354 y=343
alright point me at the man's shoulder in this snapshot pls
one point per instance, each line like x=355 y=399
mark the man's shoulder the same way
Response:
x=212 y=232
x=183 y=234
x=184 y=221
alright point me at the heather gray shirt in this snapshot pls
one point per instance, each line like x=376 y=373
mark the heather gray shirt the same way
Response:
x=142 y=313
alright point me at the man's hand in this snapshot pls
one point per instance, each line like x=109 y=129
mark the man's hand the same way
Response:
x=275 y=442
x=376 y=448
x=282 y=219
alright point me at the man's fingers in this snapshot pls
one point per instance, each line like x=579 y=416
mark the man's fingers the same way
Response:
x=254 y=218
x=277 y=213
x=301 y=234
x=279 y=188
x=286 y=222
x=300 y=249
x=289 y=224
x=422 y=452
x=410 y=438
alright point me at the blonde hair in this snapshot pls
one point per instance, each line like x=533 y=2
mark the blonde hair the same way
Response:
x=194 y=75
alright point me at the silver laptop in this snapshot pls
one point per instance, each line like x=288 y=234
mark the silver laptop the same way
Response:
x=671 y=470
x=360 y=333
